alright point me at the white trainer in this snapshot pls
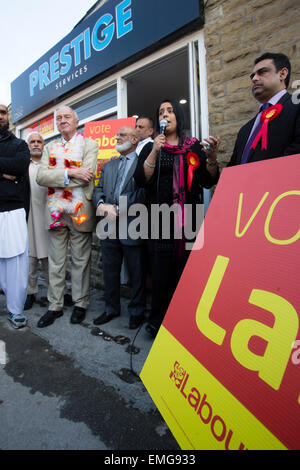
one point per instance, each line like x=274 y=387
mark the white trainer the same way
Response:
x=18 y=321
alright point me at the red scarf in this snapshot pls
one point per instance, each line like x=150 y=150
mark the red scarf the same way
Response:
x=179 y=192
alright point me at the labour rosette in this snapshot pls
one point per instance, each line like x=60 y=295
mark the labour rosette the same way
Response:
x=193 y=162
x=267 y=116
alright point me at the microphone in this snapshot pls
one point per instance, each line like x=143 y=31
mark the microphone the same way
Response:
x=162 y=126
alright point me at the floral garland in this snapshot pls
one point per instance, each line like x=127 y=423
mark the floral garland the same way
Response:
x=66 y=200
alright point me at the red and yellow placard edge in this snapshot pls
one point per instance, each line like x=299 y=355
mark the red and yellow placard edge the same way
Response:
x=229 y=417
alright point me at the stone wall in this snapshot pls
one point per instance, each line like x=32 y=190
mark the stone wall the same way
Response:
x=236 y=32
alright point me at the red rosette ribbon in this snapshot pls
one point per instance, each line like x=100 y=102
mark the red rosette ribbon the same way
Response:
x=193 y=162
x=267 y=116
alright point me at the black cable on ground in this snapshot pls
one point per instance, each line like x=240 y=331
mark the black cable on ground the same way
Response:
x=131 y=351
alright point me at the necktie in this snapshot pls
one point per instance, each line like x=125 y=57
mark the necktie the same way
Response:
x=253 y=135
x=118 y=188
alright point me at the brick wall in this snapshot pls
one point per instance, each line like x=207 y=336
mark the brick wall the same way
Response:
x=236 y=32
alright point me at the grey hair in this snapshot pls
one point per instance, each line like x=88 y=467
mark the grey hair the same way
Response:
x=31 y=133
x=68 y=107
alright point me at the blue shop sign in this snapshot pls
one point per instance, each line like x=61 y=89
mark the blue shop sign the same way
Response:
x=112 y=34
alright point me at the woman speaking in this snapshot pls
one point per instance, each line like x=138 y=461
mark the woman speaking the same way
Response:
x=173 y=173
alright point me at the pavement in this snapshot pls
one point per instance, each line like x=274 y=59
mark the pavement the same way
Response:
x=65 y=387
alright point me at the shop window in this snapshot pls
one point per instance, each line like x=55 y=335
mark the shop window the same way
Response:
x=96 y=103
x=168 y=77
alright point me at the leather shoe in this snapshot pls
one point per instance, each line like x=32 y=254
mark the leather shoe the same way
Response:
x=105 y=318
x=135 y=321
x=78 y=315
x=30 y=299
x=49 y=318
x=152 y=330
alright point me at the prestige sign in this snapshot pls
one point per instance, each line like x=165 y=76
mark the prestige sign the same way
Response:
x=115 y=32
x=80 y=48
x=224 y=368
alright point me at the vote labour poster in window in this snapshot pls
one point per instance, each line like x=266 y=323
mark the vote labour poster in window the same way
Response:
x=104 y=133
x=224 y=369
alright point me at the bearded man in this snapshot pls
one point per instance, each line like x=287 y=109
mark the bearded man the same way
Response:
x=116 y=180
x=14 y=162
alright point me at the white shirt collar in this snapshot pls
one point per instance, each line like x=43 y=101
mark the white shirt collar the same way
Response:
x=141 y=144
x=64 y=141
x=34 y=162
x=129 y=156
x=277 y=97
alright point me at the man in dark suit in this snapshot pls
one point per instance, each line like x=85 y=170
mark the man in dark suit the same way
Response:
x=144 y=127
x=270 y=79
x=116 y=180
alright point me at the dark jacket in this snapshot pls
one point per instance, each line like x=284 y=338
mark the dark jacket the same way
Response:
x=283 y=135
x=14 y=160
x=160 y=187
x=105 y=192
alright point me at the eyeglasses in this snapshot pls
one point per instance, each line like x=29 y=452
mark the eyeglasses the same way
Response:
x=121 y=134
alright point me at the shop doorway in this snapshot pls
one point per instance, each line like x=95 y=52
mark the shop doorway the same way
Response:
x=168 y=77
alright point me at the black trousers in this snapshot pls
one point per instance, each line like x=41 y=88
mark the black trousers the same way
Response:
x=166 y=270
x=113 y=253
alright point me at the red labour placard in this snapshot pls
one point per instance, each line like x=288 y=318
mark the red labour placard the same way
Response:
x=236 y=309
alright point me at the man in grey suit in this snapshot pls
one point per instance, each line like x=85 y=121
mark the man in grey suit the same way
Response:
x=117 y=180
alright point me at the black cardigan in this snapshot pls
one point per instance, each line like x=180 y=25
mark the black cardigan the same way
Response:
x=160 y=187
x=14 y=160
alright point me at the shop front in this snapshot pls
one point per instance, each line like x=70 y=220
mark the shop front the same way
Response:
x=118 y=62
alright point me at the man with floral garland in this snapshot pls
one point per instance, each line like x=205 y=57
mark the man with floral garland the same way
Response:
x=67 y=168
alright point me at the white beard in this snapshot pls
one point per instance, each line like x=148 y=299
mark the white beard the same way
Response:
x=123 y=147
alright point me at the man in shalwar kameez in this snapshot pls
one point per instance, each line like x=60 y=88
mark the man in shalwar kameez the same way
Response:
x=14 y=162
x=37 y=233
